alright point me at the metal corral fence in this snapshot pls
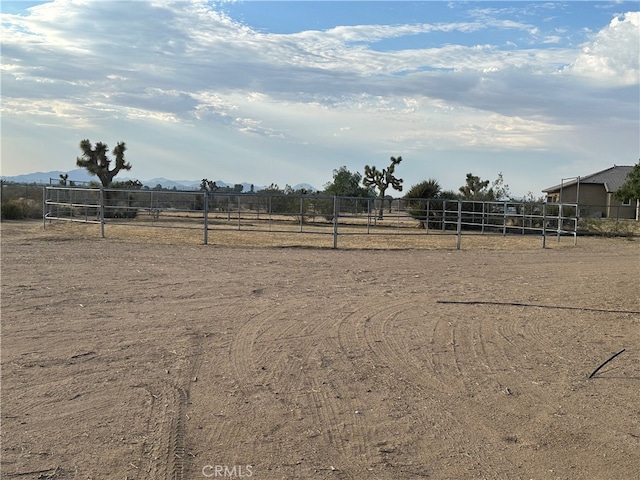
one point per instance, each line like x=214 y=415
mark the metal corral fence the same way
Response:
x=310 y=214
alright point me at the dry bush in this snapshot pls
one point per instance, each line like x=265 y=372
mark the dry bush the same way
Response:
x=609 y=227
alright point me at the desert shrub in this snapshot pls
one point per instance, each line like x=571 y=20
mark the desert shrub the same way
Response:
x=11 y=211
x=32 y=209
x=21 y=208
x=323 y=206
x=420 y=199
x=27 y=199
x=120 y=204
x=609 y=227
x=120 y=213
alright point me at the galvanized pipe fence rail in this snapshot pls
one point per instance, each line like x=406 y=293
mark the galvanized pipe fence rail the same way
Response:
x=309 y=214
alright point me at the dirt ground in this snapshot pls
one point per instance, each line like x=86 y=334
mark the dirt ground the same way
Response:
x=142 y=360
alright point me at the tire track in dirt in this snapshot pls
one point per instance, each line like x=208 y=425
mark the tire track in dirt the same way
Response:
x=165 y=434
x=333 y=431
x=520 y=334
x=337 y=402
x=166 y=442
x=261 y=351
x=333 y=397
x=276 y=350
x=532 y=341
x=463 y=352
x=440 y=356
x=474 y=356
x=177 y=452
x=494 y=351
x=520 y=357
x=395 y=340
x=391 y=349
x=473 y=368
x=527 y=328
x=273 y=349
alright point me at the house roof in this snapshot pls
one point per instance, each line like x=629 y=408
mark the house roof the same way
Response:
x=612 y=179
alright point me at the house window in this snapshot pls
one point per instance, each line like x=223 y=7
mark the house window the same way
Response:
x=626 y=203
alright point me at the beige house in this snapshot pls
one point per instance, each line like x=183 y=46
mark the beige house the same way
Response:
x=594 y=193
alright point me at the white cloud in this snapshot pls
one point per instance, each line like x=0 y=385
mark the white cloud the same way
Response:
x=613 y=55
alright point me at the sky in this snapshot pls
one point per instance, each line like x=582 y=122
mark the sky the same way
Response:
x=287 y=92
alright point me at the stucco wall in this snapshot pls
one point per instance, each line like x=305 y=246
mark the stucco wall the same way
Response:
x=594 y=201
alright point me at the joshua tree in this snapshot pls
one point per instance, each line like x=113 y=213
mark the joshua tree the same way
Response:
x=63 y=179
x=208 y=185
x=96 y=162
x=382 y=180
x=477 y=189
x=474 y=188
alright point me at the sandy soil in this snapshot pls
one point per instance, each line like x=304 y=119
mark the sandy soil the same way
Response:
x=137 y=360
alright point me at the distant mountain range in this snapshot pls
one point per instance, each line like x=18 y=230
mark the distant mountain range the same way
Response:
x=80 y=175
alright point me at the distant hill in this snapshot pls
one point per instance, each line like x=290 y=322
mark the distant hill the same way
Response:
x=80 y=175
x=178 y=184
x=52 y=177
x=306 y=186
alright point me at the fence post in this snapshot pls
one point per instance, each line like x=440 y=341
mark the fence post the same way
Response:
x=151 y=211
x=560 y=221
x=504 y=219
x=444 y=214
x=544 y=225
x=459 y=224
x=205 y=194
x=301 y=212
x=336 y=211
x=44 y=207
x=426 y=227
x=86 y=209
x=101 y=198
